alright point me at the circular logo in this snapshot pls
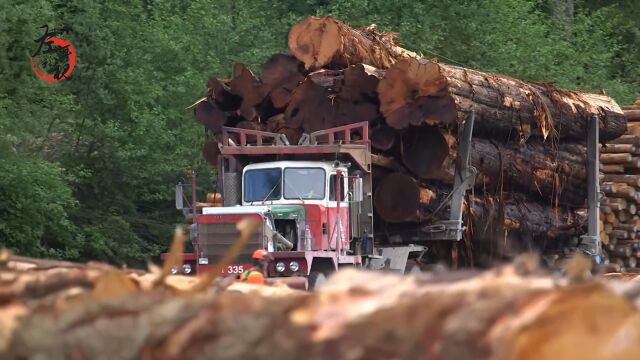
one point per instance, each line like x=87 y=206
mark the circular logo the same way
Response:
x=71 y=55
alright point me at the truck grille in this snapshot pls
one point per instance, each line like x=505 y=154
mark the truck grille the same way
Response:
x=215 y=239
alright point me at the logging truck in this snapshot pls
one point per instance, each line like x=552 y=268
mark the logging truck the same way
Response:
x=314 y=202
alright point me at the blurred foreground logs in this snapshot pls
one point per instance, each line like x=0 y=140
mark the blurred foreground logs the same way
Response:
x=512 y=312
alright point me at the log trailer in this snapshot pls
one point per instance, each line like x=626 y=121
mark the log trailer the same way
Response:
x=314 y=202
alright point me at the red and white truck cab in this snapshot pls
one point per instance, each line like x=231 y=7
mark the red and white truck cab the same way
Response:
x=312 y=199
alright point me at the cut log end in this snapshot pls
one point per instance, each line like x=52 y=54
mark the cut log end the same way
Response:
x=210 y=116
x=398 y=197
x=315 y=40
x=424 y=149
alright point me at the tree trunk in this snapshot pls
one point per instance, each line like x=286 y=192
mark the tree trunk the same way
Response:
x=632 y=115
x=400 y=198
x=421 y=91
x=326 y=42
x=532 y=168
x=621 y=148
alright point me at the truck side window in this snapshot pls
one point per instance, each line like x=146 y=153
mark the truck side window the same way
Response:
x=332 y=188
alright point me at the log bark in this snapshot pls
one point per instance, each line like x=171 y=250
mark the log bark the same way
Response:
x=616 y=158
x=400 y=198
x=620 y=148
x=627 y=139
x=612 y=168
x=281 y=74
x=431 y=93
x=632 y=180
x=532 y=168
x=632 y=115
x=326 y=42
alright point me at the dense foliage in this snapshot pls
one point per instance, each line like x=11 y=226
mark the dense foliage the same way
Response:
x=88 y=164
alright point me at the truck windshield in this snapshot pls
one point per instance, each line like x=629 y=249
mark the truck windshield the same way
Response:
x=263 y=184
x=304 y=183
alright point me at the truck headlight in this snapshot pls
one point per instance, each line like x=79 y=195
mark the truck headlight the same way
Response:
x=280 y=267
x=174 y=270
x=294 y=266
x=186 y=268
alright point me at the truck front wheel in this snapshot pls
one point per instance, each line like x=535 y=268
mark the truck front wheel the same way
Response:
x=316 y=279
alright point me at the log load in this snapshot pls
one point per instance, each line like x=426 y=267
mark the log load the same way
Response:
x=401 y=198
x=417 y=91
x=326 y=42
x=513 y=312
x=533 y=167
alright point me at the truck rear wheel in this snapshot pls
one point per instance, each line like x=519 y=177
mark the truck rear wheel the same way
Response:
x=316 y=279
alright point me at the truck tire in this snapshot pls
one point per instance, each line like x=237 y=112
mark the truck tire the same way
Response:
x=316 y=279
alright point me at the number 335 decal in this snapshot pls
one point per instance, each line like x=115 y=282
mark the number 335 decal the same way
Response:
x=235 y=269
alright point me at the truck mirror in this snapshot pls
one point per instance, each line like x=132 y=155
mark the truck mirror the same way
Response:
x=358 y=190
x=179 y=197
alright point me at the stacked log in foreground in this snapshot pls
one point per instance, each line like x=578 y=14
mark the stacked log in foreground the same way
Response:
x=620 y=182
x=529 y=138
x=74 y=311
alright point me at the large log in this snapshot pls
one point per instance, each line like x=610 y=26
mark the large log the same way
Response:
x=621 y=148
x=357 y=99
x=326 y=42
x=400 y=198
x=533 y=168
x=432 y=92
x=632 y=115
x=311 y=108
x=209 y=115
x=281 y=74
x=633 y=180
x=220 y=93
x=249 y=88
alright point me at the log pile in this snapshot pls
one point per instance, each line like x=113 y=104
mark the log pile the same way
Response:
x=620 y=183
x=529 y=138
x=58 y=310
